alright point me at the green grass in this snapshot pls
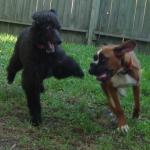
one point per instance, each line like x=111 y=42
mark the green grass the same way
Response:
x=73 y=110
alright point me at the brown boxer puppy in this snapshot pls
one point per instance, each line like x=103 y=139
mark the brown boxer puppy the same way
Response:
x=116 y=66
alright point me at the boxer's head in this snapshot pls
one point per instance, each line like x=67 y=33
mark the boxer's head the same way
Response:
x=108 y=60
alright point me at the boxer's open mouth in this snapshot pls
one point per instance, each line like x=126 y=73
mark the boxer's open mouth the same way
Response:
x=102 y=77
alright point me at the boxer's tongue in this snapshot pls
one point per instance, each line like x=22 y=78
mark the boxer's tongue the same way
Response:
x=101 y=77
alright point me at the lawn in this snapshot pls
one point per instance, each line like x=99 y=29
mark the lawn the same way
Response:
x=74 y=111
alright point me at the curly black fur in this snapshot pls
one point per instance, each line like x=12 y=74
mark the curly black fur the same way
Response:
x=38 y=53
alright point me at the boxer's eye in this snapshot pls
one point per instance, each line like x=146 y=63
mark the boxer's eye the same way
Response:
x=95 y=57
x=102 y=59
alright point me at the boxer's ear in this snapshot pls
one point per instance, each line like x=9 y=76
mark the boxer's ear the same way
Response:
x=125 y=47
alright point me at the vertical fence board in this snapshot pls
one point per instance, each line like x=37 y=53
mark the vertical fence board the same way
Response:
x=32 y=9
x=104 y=13
x=54 y=4
x=122 y=17
x=137 y=25
x=74 y=14
x=112 y=24
x=93 y=20
x=146 y=23
x=21 y=11
x=46 y=4
x=67 y=13
x=84 y=14
x=26 y=11
x=60 y=9
x=2 y=3
x=7 y=9
x=40 y=5
x=130 y=19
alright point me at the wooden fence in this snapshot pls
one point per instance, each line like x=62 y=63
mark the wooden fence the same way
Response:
x=83 y=20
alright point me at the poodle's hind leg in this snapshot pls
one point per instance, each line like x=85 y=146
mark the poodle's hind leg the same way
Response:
x=31 y=86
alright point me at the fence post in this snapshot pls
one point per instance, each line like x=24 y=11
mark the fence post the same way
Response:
x=93 y=20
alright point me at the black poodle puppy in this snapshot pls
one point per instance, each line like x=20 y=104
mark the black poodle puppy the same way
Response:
x=38 y=53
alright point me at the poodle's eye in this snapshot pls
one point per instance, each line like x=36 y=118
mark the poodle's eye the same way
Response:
x=49 y=27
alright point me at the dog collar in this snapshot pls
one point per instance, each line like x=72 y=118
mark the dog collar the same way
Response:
x=126 y=66
x=129 y=64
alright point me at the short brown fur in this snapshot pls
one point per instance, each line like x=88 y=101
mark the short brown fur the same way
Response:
x=128 y=56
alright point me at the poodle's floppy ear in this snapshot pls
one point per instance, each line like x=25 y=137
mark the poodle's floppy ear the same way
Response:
x=125 y=47
x=54 y=11
x=36 y=17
